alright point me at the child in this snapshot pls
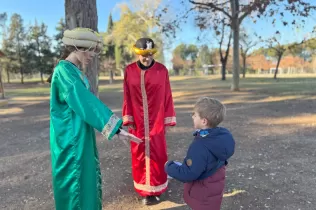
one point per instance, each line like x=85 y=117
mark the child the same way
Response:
x=203 y=169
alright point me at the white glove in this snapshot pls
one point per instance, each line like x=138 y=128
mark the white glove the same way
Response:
x=125 y=136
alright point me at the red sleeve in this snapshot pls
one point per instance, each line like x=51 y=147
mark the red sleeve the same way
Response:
x=128 y=118
x=170 y=115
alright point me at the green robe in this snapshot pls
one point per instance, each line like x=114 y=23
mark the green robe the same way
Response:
x=74 y=114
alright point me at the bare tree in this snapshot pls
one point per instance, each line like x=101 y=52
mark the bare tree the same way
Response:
x=3 y=18
x=234 y=12
x=1 y=83
x=246 y=43
x=224 y=56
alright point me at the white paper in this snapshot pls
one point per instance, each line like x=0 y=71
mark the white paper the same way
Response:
x=178 y=163
x=123 y=135
x=135 y=139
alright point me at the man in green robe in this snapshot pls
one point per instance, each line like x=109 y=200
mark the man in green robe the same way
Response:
x=74 y=114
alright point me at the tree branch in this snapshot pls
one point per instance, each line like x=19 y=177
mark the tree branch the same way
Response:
x=242 y=17
x=212 y=6
x=221 y=42
x=228 y=46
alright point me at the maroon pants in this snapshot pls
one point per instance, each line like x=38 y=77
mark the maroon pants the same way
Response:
x=206 y=194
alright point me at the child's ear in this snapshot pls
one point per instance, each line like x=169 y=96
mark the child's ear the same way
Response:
x=205 y=121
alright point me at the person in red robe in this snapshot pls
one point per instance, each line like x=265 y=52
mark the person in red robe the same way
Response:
x=147 y=110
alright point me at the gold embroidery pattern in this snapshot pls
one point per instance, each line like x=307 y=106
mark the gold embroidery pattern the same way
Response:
x=110 y=125
x=149 y=188
x=170 y=120
x=146 y=124
x=128 y=118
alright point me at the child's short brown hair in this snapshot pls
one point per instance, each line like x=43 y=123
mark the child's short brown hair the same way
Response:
x=211 y=109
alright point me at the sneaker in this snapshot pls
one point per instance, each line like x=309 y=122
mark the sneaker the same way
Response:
x=157 y=198
x=145 y=200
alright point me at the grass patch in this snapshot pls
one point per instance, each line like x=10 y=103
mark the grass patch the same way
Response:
x=33 y=91
x=262 y=84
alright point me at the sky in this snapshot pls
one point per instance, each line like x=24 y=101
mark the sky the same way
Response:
x=51 y=11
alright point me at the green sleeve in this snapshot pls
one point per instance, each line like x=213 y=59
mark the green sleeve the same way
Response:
x=89 y=107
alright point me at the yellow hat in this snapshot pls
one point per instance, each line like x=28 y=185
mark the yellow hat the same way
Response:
x=144 y=46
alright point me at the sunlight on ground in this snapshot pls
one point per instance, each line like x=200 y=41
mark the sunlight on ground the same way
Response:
x=163 y=205
x=233 y=193
x=184 y=106
x=30 y=98
x=169 y=204
x=236 y=99
x=280 y=76
x=247 y=99
x=278 y=98
x=36 y=90
x=3 y=102
x=195 y=94
x=42 y=119
x=301 y=120
x=110 y=87
x=27 y=100
x=14 y=110
x=24 y=103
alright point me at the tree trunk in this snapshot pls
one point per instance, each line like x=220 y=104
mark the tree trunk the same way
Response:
x=22 y=76
x=224 y=70
x=8 y=75
x=277 y=67
x=111 y=79
x=21 y=65
x=223 y=59
x=83 y=13
x=1 y=85
x=244 y=66
x=235 y=29
x=40 y=60
x=42 y=79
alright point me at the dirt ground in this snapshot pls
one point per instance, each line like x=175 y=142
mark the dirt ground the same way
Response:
x=273 y=168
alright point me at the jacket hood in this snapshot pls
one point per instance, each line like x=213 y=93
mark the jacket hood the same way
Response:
x=219 y=141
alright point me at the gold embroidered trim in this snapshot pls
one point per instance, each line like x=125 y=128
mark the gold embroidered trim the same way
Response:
x=110 y=125
x=169 y=120
x=128 y=118
x=149 y=188
x=146 y=124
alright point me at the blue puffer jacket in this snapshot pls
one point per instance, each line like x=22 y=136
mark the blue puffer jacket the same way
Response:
x=209 y=151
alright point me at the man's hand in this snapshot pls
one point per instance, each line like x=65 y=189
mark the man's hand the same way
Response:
x=125 y=136
x=168 y=129
x=132 y=126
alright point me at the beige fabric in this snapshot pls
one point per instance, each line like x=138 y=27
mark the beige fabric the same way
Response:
x=80 y=43
x=82 y=37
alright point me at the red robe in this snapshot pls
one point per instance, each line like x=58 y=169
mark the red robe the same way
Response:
x=148 y=106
